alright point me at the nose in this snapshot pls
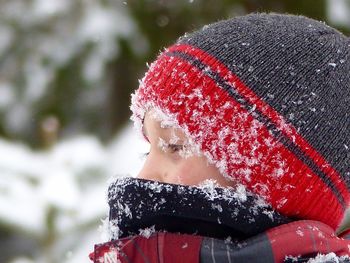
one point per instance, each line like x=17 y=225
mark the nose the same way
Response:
x=153 y=169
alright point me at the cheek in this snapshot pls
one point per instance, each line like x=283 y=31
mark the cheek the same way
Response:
x=194 y=171
x=186 y=174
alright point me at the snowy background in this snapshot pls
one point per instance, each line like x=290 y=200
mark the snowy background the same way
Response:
x=67 y=68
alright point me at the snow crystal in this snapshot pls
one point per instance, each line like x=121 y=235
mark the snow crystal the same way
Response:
x=173 y=138
x=147 y=232
x=241 y=193
x=281 y=203
x=166 y=120
x=217 y=207
x=188 y=147
x=162 y=201
x=114 y=231
x=260 y=206
x=300 y=232
x=245 y=173
x=155 y=186
x=330 y=257
x=268 y=213
x=228 y=240
x=320 y=234
x=294 y=259
x=162 y=144
x=279 y=172
x=126 y=210
x=261 y=188
x=110 y=257
x=210 y=186
x=312 y=109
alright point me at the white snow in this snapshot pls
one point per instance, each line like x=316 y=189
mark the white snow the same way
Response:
x=71 y=178
x=147 y=232
x=330 y=257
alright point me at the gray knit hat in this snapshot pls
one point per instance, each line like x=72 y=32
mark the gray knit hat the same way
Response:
x=266 y=97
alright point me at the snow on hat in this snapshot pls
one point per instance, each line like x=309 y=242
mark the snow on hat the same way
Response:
x=266 y=97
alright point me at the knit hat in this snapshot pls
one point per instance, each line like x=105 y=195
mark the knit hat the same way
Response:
x=266 y=97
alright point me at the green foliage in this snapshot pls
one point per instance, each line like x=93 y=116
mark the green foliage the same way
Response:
x=43 y=75
x=100 y=106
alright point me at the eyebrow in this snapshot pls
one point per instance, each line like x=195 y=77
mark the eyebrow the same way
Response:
x=144 y=130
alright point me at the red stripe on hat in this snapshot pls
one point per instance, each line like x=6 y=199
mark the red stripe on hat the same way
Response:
x=171 y=83
x=286 y=128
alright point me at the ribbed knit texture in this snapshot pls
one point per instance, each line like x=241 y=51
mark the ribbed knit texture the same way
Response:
x=266 y=97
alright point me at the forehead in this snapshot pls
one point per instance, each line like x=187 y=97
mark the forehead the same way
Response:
x=154 y=124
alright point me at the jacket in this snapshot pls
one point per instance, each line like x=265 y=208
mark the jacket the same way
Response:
x=155 y=222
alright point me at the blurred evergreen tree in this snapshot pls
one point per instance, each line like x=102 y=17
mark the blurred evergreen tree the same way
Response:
x=98 y=104
x=71 y=69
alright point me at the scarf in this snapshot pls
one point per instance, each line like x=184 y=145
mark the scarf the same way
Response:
x=157 y=222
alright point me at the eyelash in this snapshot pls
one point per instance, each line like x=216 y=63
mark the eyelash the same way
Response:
x=175 y=147
x=172 y=147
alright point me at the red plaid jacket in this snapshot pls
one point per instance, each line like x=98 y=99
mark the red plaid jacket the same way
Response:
x=293 y=242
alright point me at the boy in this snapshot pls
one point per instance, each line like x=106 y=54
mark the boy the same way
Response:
x=257 y=108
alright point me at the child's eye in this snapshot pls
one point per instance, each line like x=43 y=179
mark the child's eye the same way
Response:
x=144 y=155
x=175 y=147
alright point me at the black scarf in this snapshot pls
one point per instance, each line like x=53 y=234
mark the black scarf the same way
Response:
x=137 y=204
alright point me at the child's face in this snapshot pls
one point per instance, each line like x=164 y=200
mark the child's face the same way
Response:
x=166 y=162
